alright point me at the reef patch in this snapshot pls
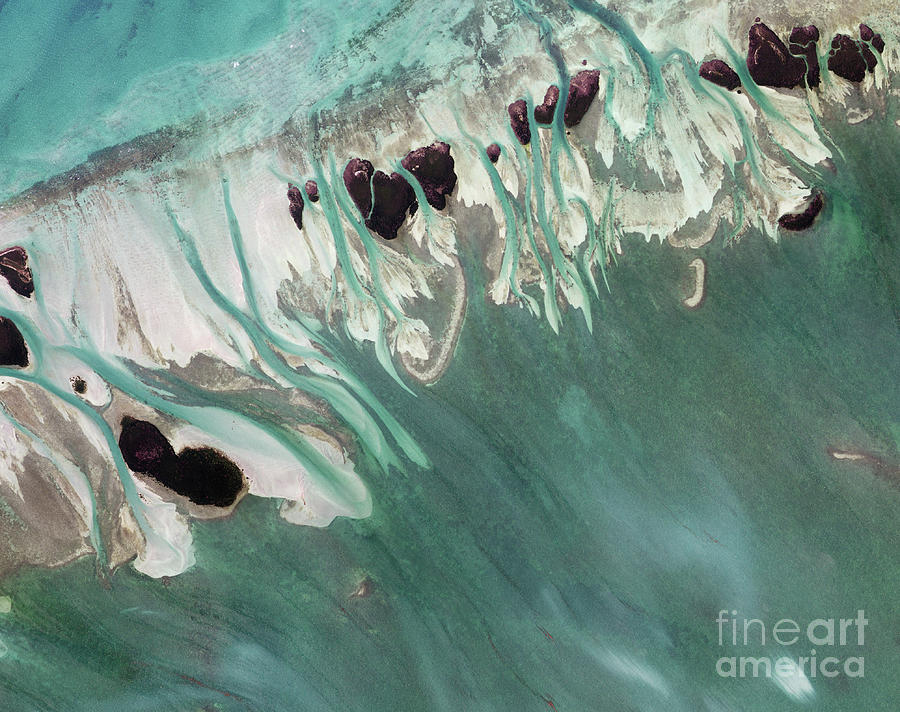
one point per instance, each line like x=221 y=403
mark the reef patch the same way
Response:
x=295 y=205
x=393 y=199
x=769 y=61
x=13 y=351
x=433 y=167
x=850 y=58
x=582 y=90
x=543 y=113
x=15 y=270
x=801 y=221
x=518 y=119
x=803 y=44
x=203 y=475
x=719 y=73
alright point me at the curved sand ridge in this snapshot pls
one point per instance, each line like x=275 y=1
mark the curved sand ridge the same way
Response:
x=696 y=298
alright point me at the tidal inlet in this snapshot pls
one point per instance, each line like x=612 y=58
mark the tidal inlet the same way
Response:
x=494 y=355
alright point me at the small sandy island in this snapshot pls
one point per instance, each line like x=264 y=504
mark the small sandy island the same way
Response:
x=696 y=299
x=879 y=466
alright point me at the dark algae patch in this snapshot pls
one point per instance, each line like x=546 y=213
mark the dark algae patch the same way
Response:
x=144 y=448
x=518 y=119
x=393 y=198
x=769 y=62
x=801 y=221
x=295 y=205
x=14 y=268
x=204 y=475
x=357 y=180
x=718 y=72
x=582 y=90
x=867 y=34
x=13 y=351
x=312 y=191
x=803 y=44
x=433 y=167
x=383 y=200
x=850 y=58
x=543 y=113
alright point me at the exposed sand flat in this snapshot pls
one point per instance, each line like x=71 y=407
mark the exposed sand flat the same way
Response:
x=845 y=455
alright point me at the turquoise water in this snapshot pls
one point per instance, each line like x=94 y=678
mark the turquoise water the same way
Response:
x=79 y=76
x=67 y=64
x=558 y=520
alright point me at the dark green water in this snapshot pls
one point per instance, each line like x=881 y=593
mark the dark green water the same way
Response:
x=595 y=501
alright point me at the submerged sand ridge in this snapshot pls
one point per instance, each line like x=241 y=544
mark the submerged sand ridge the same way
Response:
x=147 y=257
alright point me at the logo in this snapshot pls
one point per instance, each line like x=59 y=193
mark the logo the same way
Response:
x=824 y=647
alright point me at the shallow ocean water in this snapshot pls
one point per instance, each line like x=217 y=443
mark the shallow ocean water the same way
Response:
x=557 y=520
x=68 y=65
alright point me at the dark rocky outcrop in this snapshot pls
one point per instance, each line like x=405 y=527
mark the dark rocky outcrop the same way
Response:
x=358 y=182
x=312 y=191
x=769 y=62
x=433 y=167
x=802 y=43
x=803 y=36
x=582 y=90
x=801 y=221
x=493 y=152
x=850 y=58
x=718 y=72
x=14 y=268
x=867 y=34
x=393 y=198
x=204 y=475
x=78 y=385
x=13 y=351
x=385 y=200
x=518 y=119
x=295 y=205
x=144 y=447
x=543 y=114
